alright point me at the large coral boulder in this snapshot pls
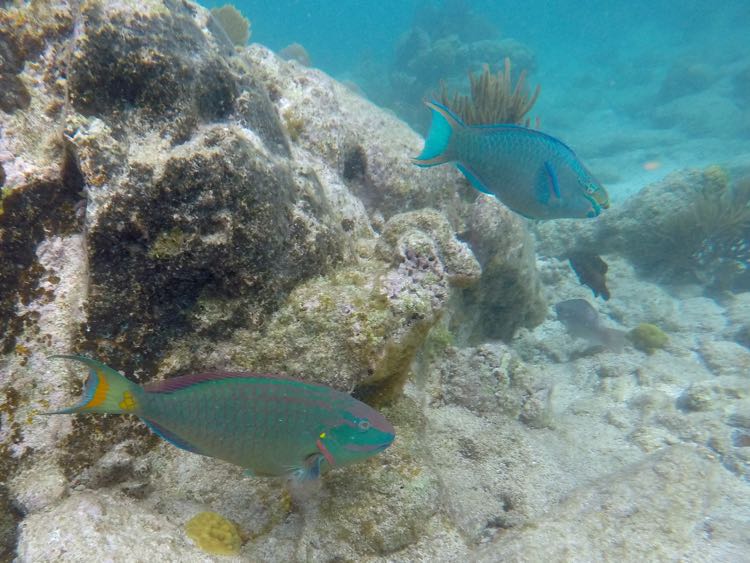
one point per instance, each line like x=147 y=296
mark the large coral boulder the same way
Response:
x=172 y=205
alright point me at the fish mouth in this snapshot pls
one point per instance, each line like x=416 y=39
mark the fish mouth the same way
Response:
x=383 y=446
x=369 y=448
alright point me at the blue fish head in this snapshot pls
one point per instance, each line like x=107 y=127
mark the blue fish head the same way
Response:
x=359 y=433
x=595 y=194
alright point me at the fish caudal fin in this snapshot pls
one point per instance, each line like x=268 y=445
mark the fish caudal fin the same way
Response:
x=105 y=390
x=438 y=147
x=614 y=339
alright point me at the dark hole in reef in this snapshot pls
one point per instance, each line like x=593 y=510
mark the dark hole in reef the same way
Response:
x=10 y=516
x=355 y=164
x=2 y=176
x=13 y=94
x=217 y=100
x=741 y=438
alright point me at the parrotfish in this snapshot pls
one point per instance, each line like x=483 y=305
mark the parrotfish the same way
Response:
x=582 y=321
x=591 y=271
x=534 y=174
x=271 y=425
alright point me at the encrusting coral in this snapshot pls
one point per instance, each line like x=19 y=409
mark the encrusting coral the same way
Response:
x=214 y=534
x=648 y=337
x=493 y=99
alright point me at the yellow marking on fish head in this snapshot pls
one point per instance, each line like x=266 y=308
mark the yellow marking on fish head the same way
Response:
x=100 y=393
x=128 y=402
x=322 y=434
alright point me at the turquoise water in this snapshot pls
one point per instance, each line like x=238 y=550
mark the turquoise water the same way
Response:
x=571 y=389
x=641 y=89
x=338 y=34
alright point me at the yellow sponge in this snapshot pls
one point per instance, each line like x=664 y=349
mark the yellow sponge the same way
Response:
x=214 y=534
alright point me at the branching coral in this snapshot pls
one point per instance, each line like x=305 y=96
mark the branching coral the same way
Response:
x=493 y=98
x=234 y=24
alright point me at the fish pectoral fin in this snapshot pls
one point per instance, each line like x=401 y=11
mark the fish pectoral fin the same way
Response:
x=170 y=437
x=310 y=470
x=473 y=179
x=547 y=188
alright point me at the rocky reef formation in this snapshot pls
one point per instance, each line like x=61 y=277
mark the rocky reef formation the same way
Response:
x=171 y=204
x=691 y=227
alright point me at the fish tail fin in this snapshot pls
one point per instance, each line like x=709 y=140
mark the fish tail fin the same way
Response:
x=614 y=339
x=439 y=146
x=105 y=390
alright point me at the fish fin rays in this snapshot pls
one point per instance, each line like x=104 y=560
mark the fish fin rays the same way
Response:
x=438 y=146
x=473 y=179
x=310 y=470
x=171 y=437
x=547 y=186
x=105 y=390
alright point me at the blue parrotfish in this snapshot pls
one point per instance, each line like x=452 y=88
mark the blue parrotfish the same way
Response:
x=271 y=425
x=534 y=174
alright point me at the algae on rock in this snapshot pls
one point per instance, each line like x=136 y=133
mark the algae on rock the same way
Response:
x=207 y=241
x=361 y=326
x=509 y=293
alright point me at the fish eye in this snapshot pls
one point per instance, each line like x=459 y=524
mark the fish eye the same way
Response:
x=363 y=424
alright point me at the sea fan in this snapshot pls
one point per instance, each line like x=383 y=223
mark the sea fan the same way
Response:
x=235 y=25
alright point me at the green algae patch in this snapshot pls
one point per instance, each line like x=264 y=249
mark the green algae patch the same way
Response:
x=214 y=534
x=169 y=244
x=648 y=338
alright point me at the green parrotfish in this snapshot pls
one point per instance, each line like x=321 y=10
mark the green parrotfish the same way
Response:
x=271 y=425
x=534 y=174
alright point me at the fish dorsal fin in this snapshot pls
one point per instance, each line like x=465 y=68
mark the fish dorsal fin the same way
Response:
x=508 y=127
x=184 y=381
x=170 y=437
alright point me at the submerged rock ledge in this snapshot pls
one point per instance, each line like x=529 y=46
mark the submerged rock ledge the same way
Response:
x=171 y=204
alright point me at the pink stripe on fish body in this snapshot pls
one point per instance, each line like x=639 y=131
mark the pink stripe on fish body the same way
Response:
x=264 y=423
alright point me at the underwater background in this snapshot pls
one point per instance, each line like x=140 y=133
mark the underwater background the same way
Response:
x=663 y=85
x=192 y=191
